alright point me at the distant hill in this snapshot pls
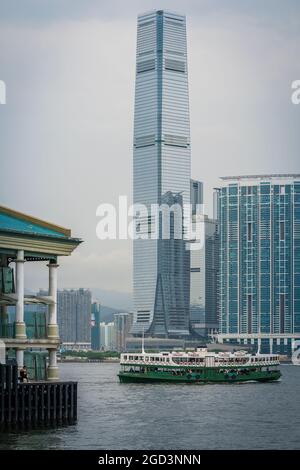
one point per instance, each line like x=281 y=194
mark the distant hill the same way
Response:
x=120 y=301
x=107 y=313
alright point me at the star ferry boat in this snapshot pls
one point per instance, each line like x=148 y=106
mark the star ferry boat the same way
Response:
x=199 y=366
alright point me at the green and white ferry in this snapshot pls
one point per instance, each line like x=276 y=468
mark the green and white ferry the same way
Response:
x=199 y=366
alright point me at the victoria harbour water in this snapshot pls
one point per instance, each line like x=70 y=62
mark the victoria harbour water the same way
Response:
x=172 y=416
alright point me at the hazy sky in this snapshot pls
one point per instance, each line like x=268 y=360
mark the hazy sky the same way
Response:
x=66 y=130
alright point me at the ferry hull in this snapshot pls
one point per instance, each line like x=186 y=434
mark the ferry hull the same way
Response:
x=210 y=377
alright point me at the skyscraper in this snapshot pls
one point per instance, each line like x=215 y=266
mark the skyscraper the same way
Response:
x=196 y=195
x=74 y=315
x=259 y=220
x=204 y=278
x=107 y=336
x=95 y=326
x=122 y=325
x=161 y=165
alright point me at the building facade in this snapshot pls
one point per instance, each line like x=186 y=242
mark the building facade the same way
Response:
x=259 y=219
x=196 y=196
x=74 y=316
x=122 y=326
x=95 y=326
x=204 y=272
x=107 y=336
x=161 y=157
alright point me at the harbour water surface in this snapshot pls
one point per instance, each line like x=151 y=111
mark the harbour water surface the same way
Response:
x=172 y=416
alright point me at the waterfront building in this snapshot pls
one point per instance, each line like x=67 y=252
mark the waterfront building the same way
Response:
x=76 y=346
x=122 y=325
x=107 y=336
x=95 y=326
x=204 y=269
x=74 y=316
x=32 y=338
x=102 y=335
x=161 y=168
x=259 y=220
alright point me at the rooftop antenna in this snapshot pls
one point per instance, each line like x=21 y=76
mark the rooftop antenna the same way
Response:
x=143 y=342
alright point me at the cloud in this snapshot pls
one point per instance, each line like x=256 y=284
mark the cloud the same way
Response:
x=92 y=270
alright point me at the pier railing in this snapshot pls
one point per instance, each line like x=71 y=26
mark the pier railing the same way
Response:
x=35 y=403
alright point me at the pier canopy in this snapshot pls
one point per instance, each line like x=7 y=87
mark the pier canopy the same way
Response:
x=39 y=239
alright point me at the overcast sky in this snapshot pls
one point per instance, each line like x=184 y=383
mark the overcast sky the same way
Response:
x=66 y=130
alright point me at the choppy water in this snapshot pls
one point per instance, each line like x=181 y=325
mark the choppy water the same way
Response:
x=172 y=416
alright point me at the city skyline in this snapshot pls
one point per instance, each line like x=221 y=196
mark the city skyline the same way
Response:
x=149 y=231
x=239 y=125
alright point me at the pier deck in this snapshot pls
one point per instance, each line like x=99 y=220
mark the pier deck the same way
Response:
x=35 y=403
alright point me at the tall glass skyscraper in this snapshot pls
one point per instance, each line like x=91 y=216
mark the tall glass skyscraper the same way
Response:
x=259 y=220
x=161 y=165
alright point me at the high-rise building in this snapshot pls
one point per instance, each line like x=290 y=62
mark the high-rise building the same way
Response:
x=171 y=313
x=123 y=324
x=74 y=316
x=102 y=335
x=196 y=196
x=95 y=326
x=259 y=219
x=204 y=278
x=107 y=336
x=161 y=163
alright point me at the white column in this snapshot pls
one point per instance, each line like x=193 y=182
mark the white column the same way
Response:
x=20 y=357
x=52 y=325
x=53 y=373
x=271 y=345
x=19 y=323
